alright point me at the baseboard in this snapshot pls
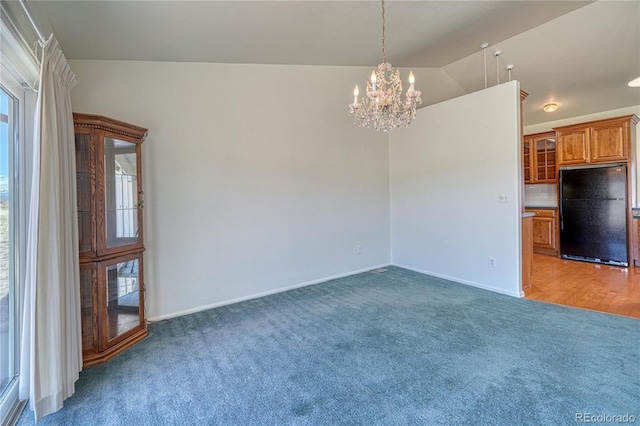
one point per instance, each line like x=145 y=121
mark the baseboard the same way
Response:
x=263 y=294
x=518 y=294
x=13 y=415
x=546 y=251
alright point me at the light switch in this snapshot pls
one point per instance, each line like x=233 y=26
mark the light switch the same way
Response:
x=502 y=198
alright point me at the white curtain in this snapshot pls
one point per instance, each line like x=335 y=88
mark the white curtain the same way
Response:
x=51 y=352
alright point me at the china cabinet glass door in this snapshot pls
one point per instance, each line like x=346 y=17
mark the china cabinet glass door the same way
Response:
x=87 y=305
x=123 y=295
x=122 y=202
x=84 y=193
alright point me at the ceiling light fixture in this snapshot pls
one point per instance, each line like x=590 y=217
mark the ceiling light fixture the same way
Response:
x=383 y=108
x=635 y=82
x=550 y=107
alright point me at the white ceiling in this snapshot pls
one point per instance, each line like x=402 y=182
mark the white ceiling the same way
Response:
x=579 y=54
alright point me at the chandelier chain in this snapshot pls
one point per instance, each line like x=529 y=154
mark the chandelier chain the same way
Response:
x=384 y=55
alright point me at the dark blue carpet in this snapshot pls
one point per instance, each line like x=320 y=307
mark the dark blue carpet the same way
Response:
x=397 y=348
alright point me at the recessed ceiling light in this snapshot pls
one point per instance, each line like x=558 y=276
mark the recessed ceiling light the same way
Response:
x=635 y=82
x=550 y=107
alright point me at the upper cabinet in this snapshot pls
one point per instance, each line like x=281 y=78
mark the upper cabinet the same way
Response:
x=108 y=184
x=539 y=158
x=600 y=141
x=573 y=145
x=609 y=141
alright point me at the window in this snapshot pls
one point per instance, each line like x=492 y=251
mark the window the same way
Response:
x=9 y=254
x=18 y=69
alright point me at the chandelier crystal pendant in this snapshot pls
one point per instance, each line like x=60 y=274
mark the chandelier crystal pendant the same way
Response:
x=383 y=108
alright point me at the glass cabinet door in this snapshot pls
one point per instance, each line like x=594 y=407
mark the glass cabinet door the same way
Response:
x=546 y=160
x=526 y=160
x=121 y=188
x=84 y=196
x=87 y=308
x=123 y=295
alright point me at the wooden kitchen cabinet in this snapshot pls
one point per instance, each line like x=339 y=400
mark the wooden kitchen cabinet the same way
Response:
x=545 y=230
x=635 y=239
x=527 y=252
x=539 y=158
x=109 y=204
x=573 y=146
x=601 y=141
x=609 y=141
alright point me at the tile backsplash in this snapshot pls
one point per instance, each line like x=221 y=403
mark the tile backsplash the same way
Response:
x=541 y=195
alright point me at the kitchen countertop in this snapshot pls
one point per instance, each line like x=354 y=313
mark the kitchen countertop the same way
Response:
x=528 y=214
x=636 y=210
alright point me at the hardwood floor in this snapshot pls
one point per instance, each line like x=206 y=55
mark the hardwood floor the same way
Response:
x=586 y=285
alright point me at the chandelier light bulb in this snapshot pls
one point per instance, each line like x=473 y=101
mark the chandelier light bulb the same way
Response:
x=356 y=92
x=412 y=79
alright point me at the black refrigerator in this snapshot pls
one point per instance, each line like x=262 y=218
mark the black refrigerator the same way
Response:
x=593 y=214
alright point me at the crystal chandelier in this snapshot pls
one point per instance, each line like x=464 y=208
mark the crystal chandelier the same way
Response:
x=383 y=108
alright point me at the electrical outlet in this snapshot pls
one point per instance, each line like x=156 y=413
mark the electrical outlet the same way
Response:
x=492 y=262
x=544 y=195
x=359 y=249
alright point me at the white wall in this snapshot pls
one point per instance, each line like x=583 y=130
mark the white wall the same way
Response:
x=435 y=84
x=447 y=170
x=255 y=177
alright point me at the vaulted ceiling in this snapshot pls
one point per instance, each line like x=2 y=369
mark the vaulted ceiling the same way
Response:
x=579 y=54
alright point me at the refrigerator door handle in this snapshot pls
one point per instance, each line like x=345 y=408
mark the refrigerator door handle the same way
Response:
x=561 y=201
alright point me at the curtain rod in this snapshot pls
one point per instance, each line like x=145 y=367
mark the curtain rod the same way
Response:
x=23 y=3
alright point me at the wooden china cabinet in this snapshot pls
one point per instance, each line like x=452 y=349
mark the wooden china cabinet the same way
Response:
x=109 y=188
